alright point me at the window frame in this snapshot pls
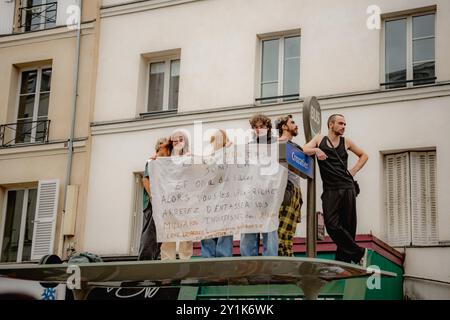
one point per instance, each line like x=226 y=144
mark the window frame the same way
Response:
x=22 y=222
x=281 y=47
x=42 y=25
x=167 y=75
x=37 y=99
x=409 y=49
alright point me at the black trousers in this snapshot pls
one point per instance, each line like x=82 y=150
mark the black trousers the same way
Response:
x=339 y=210
x=149 y=248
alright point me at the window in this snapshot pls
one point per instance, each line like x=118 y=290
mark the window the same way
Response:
x=29 y=219
x=37 y=14
x=280 y=69
x=409 y=51
x=163 y=85
x=19 y=225
x=411 y=205
x=34 y=96
x=18 y=16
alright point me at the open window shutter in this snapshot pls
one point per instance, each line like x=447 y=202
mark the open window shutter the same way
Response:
x=45 y=219
x=137 y=223
x=61 y=13
x=423 y=198
x=397 y=199
x=6 y=16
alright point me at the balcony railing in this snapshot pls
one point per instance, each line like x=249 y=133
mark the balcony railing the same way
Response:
x=285 y=98
x=402 y=83
x=37 y=17
x=24 y=132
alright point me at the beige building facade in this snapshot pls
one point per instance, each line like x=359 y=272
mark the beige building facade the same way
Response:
x=38 y=73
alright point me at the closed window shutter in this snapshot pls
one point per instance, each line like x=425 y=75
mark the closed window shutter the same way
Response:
x=397 y=199
x=45 y=219
x=6 y=17
x=423 y=198
x=62 y=15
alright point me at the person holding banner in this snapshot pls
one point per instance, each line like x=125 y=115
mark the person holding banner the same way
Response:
x=180 y=143
x=289 y=214
x=221 y=246
x=149 y=248
x=249 y=245
x=339 y=193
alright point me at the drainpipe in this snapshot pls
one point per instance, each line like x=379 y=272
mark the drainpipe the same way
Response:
x=72 y=129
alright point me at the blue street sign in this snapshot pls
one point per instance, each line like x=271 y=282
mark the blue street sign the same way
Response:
x=300 y=161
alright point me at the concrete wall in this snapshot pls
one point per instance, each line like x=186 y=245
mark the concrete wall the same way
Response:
x=220 y=49
x=377 y=128
x=429 y=263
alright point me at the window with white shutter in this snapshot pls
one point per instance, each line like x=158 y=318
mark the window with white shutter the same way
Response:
x=66 y=11
x=137 y=218
x=410 y=199
x=423 y=198
x=6 y=17
x=45 y=219
x=398 y=199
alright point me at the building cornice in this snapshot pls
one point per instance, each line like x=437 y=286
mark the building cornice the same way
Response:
x=52 y=34
x=139 y=6
x=40 y=150
x=351 y=100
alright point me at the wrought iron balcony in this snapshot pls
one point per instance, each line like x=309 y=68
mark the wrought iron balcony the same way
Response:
x=24 y=132
x=37 y=17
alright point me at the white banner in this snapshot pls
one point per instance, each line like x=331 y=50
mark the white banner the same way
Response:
x=201 y=201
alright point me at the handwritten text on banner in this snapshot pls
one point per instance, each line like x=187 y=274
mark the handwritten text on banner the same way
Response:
x=200 y=201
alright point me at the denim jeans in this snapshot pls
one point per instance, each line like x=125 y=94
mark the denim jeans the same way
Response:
x=250 y=244
x=217 y=247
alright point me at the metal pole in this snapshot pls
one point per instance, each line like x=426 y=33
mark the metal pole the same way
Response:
x=312 y=120
x=76 y=70
x=311 y=216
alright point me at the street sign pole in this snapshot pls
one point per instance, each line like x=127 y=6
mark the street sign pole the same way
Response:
x=311 y=217
x=312 y=122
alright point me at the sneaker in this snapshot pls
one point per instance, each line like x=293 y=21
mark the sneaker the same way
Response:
x=363 y=261
x=333 y=270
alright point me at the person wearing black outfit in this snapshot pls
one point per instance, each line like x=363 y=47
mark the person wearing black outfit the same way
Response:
x=149 y=248
x=339 y=194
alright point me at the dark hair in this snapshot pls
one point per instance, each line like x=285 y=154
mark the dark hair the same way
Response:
x=281 y=121
x=332 y=119
x=264 y=119
x=170 y=146
x=164 y=140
